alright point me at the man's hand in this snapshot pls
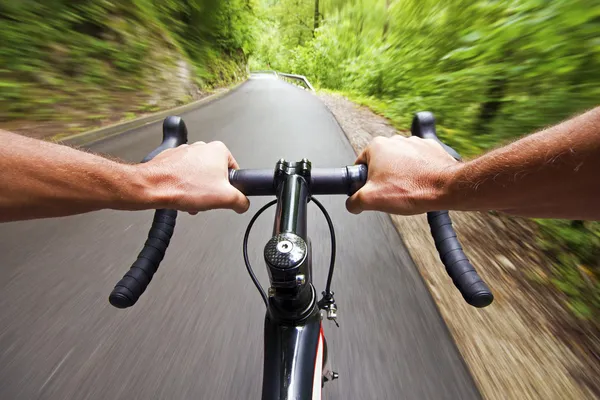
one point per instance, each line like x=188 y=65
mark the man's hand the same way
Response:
x=406 y=176
x=193 y=178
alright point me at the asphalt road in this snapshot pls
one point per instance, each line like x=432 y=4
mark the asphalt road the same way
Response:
x=197 y=331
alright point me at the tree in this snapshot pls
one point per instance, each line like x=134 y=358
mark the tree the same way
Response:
x=386 y=25
x=317 y=17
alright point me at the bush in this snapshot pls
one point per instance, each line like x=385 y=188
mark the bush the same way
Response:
x=55 y=46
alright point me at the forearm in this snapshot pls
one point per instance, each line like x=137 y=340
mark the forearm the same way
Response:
x=41 y=179
x=553 y=173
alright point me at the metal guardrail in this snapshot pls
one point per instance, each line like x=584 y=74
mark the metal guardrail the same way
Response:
x=297 y=78
x=264 y=71
x=291 y=78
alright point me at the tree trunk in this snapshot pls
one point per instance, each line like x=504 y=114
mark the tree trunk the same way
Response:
x=386 y=24
x=490 y=108
x=316 y=25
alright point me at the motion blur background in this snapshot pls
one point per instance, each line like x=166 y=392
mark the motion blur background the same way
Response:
x=491 y=71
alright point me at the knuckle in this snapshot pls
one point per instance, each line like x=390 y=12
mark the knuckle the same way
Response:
x=218 y=144
x=379 y=140
x=432 y=143
x=377 y=144
x=416 y=141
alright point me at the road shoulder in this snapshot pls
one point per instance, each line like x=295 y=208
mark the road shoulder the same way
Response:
x=511 y=348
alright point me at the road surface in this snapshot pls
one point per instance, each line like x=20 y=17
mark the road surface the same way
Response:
x=197 y=331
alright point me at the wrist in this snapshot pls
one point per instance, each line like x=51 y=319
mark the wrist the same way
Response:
x=448 y=191
x=146 y=188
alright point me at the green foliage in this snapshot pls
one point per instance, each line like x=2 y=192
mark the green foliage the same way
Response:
x=574 y=248
x=53 y=46
x=490 y=70
x=211 y=30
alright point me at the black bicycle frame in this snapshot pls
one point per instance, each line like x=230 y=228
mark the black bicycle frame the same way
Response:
x=290 y=361
x=293 y=319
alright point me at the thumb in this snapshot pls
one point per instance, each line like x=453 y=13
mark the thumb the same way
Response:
x=237 y=201
x=355 y=203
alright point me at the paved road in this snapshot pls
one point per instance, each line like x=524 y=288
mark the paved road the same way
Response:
x=197 y=331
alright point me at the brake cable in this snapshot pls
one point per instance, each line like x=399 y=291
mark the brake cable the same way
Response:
x=327 y=293
x=245 y=250
x=333 y=244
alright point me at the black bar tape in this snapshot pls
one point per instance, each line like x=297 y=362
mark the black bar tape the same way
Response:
x=473 y=289
x=129 y=289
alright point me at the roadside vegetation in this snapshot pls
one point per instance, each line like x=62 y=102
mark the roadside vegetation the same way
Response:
x=491 y=71
x=67 y=65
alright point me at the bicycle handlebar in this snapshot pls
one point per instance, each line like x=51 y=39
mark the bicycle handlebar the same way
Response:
x=348 y=180
x=129 y=289
x=261 y=182
x=323 y=181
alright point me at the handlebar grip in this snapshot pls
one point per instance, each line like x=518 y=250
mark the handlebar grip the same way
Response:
x=346 y=180
x=129 y=289
x=473 y=289
x=253 y=182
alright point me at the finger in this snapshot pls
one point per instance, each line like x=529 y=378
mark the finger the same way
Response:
x=356 y=203
x=353 y=205
x=363 y=158
x=237 y=201
x=198 y=143
x=193 y=212
x=231 y=161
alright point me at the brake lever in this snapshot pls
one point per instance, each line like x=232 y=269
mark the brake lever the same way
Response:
x=174 y=134
x=423 y=126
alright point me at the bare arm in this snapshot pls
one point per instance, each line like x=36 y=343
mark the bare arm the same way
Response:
x=553 y=173
x=41 y=179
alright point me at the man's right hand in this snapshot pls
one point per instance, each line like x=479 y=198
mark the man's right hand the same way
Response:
x=406 y=176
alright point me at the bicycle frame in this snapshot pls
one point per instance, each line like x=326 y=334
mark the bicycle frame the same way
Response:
x=293 y=348
x=293 y=359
